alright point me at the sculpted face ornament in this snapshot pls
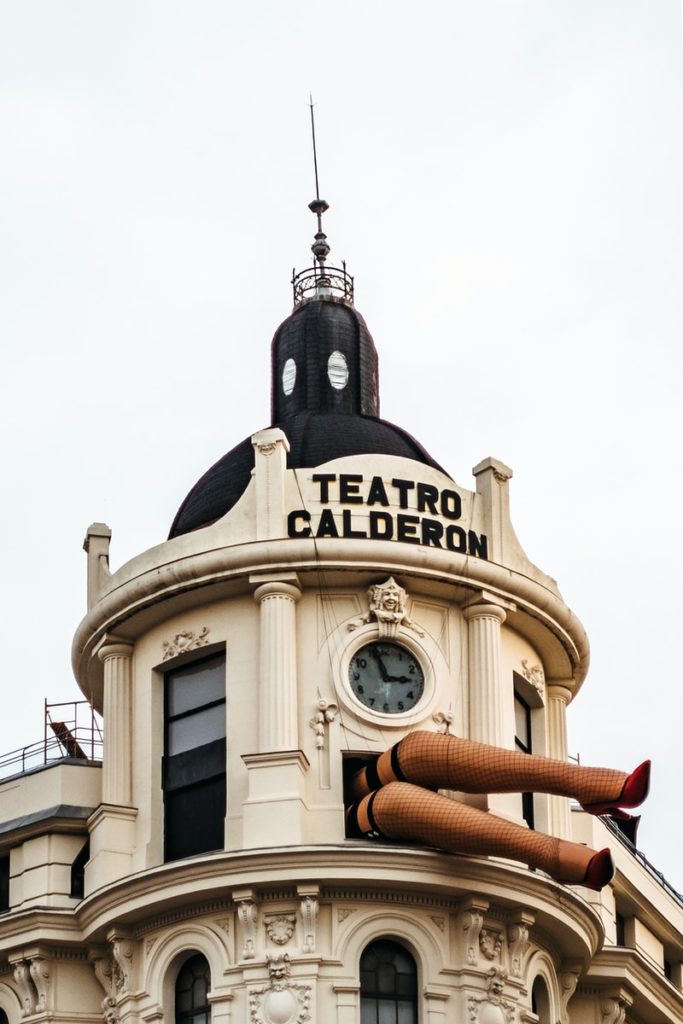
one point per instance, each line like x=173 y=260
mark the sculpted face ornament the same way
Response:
x=387 y=607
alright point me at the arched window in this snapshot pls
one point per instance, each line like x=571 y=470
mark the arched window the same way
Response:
x=540 y=1001
x=3 y=1017
x=192 y=992
x=388 y=984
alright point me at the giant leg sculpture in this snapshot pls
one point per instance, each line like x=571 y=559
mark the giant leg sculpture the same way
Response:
x=403 y=811
x=435 y=761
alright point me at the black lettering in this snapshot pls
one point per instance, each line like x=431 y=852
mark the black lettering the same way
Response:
x=383 y=520
x=327 y=526
x=403 y=486
x=377 y=494
x=348 y=530
x=432 y=532
x=478 y=546
x=400 y=705
x=426 y=498
x=292 y=530
x=451 y=505
x=385 y=707
x=371 y=701
x=456 y=539
x=349 y=491
x=324 y=479
x=406 y=529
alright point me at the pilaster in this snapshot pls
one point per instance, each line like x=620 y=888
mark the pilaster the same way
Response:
x=270 y=465
x=559 y=696
x=278 y=712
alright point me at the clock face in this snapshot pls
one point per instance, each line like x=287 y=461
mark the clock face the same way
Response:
x=386 y=677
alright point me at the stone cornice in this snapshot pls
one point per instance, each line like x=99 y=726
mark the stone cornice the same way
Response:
x=145 y=583
x=345 y=869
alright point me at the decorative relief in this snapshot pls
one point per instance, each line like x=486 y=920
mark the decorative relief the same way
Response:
x=498 y=1009
x=343 y=913
x=443 y=721
x=518 y=942
x=472 y=921
x=39 y=969
x=266 y=447
x=387 y=603
x=224 y=924
x=149 y=945
x=103 y=965
x=613 y=1011
x=282 y=1001
x=186 y=640
x=122 y=951
x=438 y=921
x=247 y=911
x=280 y=928
x=534 y=674
x=490 y=943
x=309 y=913
x=569 y=979
x=27 y=992
x=326 y=713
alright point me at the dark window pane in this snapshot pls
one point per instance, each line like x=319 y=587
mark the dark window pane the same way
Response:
x=522 y=724
x=196 y=730
x=388 y=976
x=195 y=819
x=196 y=685
x=191 y=992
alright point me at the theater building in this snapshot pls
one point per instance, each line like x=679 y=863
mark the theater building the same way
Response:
x=199 y=868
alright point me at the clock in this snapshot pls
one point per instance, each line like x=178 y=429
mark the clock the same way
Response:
x=386 y=677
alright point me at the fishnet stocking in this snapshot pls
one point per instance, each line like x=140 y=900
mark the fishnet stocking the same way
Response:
x=448 y=762
x=406 y=812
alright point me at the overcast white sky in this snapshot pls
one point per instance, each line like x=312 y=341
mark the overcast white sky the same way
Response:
x=505 y=181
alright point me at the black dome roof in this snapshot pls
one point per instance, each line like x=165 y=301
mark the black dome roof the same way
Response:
x=322 y=421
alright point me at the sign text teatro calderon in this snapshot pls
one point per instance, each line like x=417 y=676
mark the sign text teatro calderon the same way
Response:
x=409 y=527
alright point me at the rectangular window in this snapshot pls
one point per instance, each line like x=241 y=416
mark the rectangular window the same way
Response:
x=194 y=758
x=523 y=743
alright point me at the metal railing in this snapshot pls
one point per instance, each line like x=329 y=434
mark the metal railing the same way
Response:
x=72 y=729
x=317 y=280
x=642 y=859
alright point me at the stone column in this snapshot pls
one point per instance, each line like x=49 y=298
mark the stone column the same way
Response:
x=558 y=806
x=274 y=812
x=116 y=656
x=278 y=726
x=112 y=825
x=486 y=722
x=347 y=1002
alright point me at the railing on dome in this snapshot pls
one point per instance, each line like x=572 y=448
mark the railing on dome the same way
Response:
x=72 y=730
x=316 y=280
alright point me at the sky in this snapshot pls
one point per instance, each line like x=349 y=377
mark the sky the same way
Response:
x=504 y=180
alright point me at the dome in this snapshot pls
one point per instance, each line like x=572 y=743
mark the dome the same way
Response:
x=324 y=396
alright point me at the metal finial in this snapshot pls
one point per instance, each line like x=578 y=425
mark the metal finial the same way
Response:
x=320 y=281
x=320 y=248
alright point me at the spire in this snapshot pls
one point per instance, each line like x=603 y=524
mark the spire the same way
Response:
x=320 y=281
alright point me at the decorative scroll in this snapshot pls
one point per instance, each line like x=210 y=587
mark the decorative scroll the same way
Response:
x=309 y=913
x=518 y=941
x=27 y=991
x=247 y=911
x=186 y=640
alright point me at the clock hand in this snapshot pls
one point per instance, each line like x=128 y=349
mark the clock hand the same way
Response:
x=396 y=679
x=382 y=667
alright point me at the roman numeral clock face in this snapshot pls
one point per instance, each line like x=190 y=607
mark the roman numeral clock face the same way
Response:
x=386 y=677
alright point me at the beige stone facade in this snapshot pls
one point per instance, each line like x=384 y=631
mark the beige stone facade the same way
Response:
x=284 y=910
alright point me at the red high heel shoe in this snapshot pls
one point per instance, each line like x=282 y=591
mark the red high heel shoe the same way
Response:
x=600 y=870
x=634 y=791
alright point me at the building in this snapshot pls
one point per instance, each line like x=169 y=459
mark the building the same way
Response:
x=200 y=868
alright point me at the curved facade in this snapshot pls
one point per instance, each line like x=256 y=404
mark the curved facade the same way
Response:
x=218 y=882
